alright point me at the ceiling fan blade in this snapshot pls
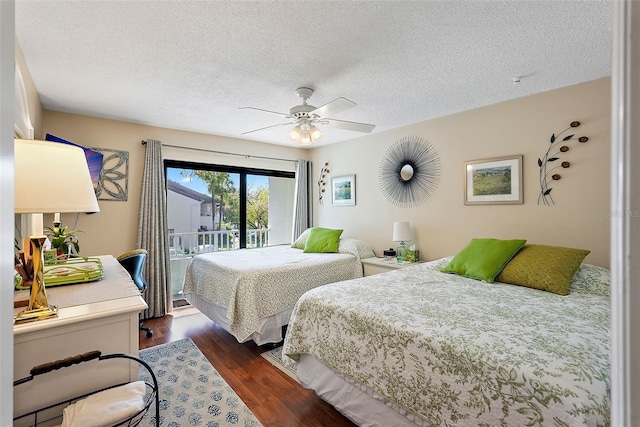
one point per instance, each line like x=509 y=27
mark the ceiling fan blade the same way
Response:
x=354 y=126
x=266 y=111
x=267 y=127
x=336 y=106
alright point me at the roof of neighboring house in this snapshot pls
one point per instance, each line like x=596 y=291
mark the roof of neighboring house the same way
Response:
x=187 y=192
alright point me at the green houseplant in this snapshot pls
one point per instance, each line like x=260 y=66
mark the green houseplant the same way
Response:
x=62 y=239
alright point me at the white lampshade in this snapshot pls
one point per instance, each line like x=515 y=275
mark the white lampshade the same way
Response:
x=401 y=232
x=52 y=177
x=315 y=133
x=294 y=135
x=305 y=139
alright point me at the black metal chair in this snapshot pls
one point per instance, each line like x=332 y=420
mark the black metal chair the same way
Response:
x=133 y=261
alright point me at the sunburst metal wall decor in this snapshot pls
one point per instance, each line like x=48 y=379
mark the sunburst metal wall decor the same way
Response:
x=409 y=171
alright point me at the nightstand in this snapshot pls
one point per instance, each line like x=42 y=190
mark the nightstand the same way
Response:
x=376 y=265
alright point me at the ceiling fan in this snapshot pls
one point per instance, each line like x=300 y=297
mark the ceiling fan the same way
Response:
x=306 y=118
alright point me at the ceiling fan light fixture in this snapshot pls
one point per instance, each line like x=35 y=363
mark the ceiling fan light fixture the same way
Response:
x=305 y=117
x=305 y=133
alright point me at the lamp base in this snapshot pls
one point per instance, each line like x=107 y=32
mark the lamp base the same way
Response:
x=26 y=316
x=401 y=252
x=38 y=308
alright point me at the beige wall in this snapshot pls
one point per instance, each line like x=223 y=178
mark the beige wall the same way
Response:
x=114 y=229
x=443 y=224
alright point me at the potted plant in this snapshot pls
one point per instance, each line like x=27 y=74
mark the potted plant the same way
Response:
x=65 y=241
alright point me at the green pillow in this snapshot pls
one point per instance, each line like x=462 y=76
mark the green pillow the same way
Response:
x=483 y=259
x=548 y=268
x=323 y=240
x=301 y=240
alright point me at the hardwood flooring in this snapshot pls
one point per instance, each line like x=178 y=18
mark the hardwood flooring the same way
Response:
x=274 y=398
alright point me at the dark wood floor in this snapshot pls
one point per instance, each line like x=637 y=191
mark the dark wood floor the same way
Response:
x=274 y=398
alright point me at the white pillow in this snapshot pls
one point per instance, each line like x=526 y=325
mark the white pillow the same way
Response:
x=356 y=247
x=107 y=407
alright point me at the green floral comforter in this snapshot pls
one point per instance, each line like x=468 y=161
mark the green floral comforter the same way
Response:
x=256 y=283
x=460 y=352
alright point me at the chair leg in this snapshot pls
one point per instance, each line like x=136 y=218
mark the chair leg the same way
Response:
x=149 y=330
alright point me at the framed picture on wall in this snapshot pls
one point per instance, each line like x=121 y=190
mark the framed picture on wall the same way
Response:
x=343 y=190
x=496 y=181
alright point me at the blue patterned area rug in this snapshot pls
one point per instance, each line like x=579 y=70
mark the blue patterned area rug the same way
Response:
x=192 y=392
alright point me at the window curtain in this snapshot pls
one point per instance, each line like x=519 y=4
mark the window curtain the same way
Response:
x=152 y=232
x=302 y=213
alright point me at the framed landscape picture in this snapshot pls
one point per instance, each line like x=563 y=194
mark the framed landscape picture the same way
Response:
x=493 y=181
x=343 y=190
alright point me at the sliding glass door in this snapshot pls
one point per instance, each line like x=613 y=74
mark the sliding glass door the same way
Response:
x=269 y=209
x=214 y=207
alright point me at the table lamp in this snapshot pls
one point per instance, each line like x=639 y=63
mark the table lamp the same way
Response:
x=49 y=178
x=402 y=234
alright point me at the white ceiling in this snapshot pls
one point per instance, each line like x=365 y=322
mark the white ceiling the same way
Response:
x=190 y=65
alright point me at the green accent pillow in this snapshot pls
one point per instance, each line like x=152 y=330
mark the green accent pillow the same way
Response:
x=323 y=240
x=548 y=268
x=301 y=240
x=483 y=259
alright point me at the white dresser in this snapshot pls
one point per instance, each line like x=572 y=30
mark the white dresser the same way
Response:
x=101 y=315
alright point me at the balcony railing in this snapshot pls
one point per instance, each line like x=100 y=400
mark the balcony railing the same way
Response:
x=184 y=246
x=196 y=242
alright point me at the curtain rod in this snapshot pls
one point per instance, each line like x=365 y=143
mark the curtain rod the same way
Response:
x=248 y=156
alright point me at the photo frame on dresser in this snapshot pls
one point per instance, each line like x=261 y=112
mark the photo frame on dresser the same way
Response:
x=343 y=190
x=493 y=181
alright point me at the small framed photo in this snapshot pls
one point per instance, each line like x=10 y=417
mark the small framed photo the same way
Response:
x=343 y=190
x=493 y=181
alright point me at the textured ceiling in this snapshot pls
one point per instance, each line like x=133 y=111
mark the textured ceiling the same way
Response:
x=190 y=65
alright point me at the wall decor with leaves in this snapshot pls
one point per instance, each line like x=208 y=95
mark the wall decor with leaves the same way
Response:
x=114 y=176
x=552 y=161
x=322 y=182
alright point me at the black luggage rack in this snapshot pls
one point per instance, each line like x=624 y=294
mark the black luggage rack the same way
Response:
x=42 y=416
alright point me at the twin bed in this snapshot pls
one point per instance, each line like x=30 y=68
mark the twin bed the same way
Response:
x=251 y=292
x=417 y=346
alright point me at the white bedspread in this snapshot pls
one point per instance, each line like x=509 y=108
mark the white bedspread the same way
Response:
x=256 y=283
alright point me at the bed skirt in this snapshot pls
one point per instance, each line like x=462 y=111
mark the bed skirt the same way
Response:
x=269 y=328
x=364 y=408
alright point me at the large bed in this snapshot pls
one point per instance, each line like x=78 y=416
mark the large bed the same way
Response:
x=251 y=292
x=417 y=346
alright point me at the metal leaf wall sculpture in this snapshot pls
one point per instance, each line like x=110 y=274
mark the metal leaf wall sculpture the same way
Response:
x=322 y=182
x=547 y=174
